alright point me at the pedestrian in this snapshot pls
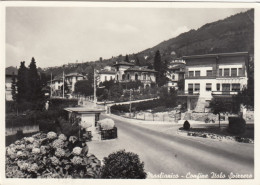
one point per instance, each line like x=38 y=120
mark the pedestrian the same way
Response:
x=47 y=106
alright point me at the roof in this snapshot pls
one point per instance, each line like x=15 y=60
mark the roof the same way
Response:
x=74 y=74
x=11 y=70
x=140 y=69
x=123 y=63
x=84 y=109
x=107 y=72
x=216 y=55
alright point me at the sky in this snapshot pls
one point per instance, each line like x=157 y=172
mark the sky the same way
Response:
x=59 y=35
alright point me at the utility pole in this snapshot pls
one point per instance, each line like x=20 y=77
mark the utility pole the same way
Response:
x=51 y=85
x=130 y=109
x=95 y=96
x=63 y=85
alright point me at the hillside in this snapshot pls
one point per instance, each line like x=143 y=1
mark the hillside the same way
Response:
x=233 y=34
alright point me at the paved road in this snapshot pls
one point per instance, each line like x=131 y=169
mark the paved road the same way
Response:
x=176 y=154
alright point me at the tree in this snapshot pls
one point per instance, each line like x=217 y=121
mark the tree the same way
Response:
x=157 y=63
x=22 y=83
x=137 y=62
x=84 y=87
x=161 y=68
x=219 y=106
x=66 y=89
x=127 y=58
x=35 y=86
x=116 y=91
x=13 y=88
x=181 y=83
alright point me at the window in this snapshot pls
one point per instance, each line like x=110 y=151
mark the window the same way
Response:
x=218 y=87
x=197 y=87
x=240 y=72
x=220 y=72
x=136 y=76
x=209 y=72
x=190 y=88
x=144 y=76
x=105 y=78
x=197 y=73
x=173 y=77
x=110 y=77
x=116 y=77
x=226 y=72
x=191 y=73
x=235 y=87
x=123 y=77
x=208 y=86
x=128 y=76
x=233 y=71
x=226 y=87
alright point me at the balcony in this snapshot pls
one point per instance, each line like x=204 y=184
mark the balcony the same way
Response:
x=225 y=93
x=188 y=93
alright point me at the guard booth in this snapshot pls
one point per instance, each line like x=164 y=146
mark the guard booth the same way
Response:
x=88 y=117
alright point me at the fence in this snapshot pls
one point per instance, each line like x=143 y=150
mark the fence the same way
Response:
x=148 y=116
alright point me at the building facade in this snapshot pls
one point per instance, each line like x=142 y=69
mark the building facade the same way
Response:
x=126 y=72
x=71 y=80
x=214 y=75
x=10 y=72
x=106 y=75
x=57 y=83
x=176 y=71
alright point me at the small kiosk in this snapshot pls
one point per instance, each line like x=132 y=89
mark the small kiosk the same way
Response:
x=89 y=116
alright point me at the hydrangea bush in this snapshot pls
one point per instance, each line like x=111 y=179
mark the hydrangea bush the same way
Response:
x=51 y=156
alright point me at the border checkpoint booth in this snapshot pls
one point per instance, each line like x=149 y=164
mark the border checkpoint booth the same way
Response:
x=89 y=116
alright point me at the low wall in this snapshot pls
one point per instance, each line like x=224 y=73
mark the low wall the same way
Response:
x=26 y=129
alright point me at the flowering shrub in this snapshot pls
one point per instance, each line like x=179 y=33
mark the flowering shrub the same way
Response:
x=50 y=156
x=123 y=165
x=107 y=124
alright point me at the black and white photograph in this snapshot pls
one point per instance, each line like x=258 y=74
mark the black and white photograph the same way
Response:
x=129 y=91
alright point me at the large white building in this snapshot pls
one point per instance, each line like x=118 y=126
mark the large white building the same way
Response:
x=214 y=75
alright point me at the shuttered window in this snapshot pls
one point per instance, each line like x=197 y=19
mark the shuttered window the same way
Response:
x=218 y=87
x=240 y=72
x=191 y=73
x=197 y=87
x=235 y=87
x=197 y=73
x=208 y=86
x=226 y=72
x=220 y=72
x=233 y=71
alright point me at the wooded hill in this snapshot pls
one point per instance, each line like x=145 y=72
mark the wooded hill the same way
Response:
x=232 y=34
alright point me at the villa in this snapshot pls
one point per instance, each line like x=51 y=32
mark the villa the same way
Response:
x=126 y=72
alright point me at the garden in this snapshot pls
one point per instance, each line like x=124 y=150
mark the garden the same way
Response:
x=236 y=130
x=52 y=155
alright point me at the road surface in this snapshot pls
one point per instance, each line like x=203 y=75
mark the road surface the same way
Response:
x=176 y=155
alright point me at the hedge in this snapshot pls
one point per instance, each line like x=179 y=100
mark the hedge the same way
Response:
x=145 y=105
